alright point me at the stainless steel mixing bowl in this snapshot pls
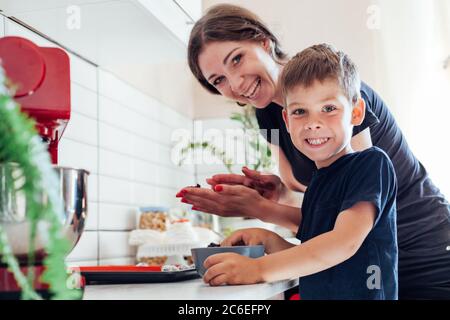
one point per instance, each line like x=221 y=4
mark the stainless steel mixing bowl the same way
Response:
x=73 y=192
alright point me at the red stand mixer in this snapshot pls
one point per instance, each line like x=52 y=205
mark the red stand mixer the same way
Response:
x=41 y=77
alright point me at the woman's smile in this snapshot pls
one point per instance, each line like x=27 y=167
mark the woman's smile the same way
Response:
x=246 y=72
x=253 y=90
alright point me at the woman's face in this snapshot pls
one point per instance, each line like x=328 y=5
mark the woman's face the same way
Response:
x=241 y=70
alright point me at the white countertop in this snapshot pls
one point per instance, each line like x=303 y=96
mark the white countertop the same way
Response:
x=187 y=290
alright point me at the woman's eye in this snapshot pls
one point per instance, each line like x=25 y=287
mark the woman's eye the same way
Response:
x=237 y=59
x=329 y=108
x=217 y=81
x=298 y=112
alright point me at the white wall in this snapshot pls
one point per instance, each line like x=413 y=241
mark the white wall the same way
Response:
x=412 y=43
x=123 y=137
x=2 y=26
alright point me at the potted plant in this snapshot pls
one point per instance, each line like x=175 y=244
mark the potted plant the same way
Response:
x=257 y=153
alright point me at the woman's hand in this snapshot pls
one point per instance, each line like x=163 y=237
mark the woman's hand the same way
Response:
x=225 y=200
x=240 y=201
x=231 y=268
x=269 y=186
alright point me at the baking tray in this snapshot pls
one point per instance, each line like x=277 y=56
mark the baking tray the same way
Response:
x=133 y=274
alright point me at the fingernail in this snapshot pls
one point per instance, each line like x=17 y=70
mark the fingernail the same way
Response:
x=181 y=193
x=218 y=188
x=195 y=208
x=184 y=200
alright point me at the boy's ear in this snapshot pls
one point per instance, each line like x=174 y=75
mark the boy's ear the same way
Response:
x=266 y=44
x=358 y=112
x=286 y=119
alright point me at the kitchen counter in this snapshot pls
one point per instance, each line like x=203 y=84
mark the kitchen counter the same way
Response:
x=188 y=290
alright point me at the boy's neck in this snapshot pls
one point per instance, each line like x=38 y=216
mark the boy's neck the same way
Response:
x=328 y=162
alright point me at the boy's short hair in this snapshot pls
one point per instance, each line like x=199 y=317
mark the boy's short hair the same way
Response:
x=321 y=62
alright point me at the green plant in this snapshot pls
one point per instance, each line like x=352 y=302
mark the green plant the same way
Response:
x=257 y=156
x=21 y=148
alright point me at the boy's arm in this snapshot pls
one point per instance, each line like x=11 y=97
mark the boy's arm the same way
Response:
x=324 y=251
x=280 y=214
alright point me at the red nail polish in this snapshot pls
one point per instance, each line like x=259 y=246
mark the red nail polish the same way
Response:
x=195 y=208
x=218 y=188
x=179 y=195
x=184 y=200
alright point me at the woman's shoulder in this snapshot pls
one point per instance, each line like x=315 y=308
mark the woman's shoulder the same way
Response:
x=372 y=157
x=270 y=116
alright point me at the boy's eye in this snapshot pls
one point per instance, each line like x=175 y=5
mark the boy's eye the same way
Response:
x=298 y=112
x=329 y=108
x=217 y=81
x=237 y=59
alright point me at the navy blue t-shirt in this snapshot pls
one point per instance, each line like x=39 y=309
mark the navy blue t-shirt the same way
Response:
x=423 y=213
x=372 y=272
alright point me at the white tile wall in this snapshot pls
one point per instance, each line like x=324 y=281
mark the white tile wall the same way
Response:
x=123 y=137
x=117 y=261
x=86 y=248
x=208 y=165
x=2 y=26
x=114 y=244
x=117 y=217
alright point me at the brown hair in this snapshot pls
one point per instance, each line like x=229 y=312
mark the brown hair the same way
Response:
x=321 y=62
x=225 y=22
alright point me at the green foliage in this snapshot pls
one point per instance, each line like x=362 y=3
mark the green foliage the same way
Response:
x=22 y=151
x=254 y=144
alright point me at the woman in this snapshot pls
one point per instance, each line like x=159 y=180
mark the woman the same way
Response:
x=232 y=53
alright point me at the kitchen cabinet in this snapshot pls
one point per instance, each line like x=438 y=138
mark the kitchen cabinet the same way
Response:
x=103 y=32
x=192 y=7
x=177 y=15
x=122 y=37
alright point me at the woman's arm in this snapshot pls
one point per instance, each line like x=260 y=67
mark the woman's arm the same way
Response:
x=290 y=183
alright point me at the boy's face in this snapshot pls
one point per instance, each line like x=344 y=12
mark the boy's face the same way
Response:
x=320 y=120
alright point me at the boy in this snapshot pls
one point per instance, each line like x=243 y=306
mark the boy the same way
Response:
x=348 y=231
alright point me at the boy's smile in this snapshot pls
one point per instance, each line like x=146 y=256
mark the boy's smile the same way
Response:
x=320 y=120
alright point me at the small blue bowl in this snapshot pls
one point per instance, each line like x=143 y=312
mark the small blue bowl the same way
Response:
x=199 y=255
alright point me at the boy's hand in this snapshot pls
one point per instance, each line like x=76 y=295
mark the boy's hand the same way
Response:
x=231 y=268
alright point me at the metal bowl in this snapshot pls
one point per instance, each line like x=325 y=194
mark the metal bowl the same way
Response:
x=73 y=192
x=199 y=255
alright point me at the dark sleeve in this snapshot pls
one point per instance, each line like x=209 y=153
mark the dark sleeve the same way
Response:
x=368 y=95
x=266 y=122
x=372 y=179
